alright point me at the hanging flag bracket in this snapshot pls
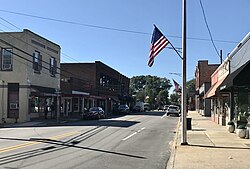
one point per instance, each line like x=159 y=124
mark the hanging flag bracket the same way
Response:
x=175 y=50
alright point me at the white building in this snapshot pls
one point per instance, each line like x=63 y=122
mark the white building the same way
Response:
x=29 y=75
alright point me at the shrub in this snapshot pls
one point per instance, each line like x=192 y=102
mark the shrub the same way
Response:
x=230 y=123
x=241 y=127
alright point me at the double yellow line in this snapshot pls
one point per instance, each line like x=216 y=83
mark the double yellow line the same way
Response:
x=2 y=150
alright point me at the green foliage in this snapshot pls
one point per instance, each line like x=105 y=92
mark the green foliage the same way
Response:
x=191 y=84
x=151 y=89
x=230 y=123
x=241 y=127
x=175 y=99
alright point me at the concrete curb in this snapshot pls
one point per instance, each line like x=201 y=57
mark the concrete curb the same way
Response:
x=170 y=164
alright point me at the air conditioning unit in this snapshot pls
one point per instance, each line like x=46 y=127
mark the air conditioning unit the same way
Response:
x=13 y=106
x=6 y=66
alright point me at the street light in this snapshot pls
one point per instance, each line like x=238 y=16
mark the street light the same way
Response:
x=177 y=74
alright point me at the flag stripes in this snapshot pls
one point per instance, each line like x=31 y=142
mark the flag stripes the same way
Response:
x=158 y=43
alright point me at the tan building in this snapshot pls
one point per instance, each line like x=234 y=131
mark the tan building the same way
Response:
x=29 y=75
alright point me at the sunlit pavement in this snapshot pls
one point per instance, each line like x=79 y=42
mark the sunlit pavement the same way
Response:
x=138 y=140
x=209 y=146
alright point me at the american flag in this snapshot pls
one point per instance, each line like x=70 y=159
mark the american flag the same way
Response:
x=176 y=86
x=158 y=42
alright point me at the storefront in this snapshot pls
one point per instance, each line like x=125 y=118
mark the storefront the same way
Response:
x=237 y=84
x=219 y=101
x=39 y=98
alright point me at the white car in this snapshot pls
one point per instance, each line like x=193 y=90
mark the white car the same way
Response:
x=172 y=109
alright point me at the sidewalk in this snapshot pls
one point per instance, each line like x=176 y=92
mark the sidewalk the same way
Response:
x=210 y=146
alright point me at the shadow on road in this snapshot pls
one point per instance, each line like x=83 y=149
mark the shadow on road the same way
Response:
x=101 y=122
x=56 y=145
x=150 y=113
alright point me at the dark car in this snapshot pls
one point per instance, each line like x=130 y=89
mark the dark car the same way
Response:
x=123 y=109
x=94 y=113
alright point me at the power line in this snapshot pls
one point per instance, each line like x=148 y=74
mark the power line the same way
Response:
x=10 y=23
x=210 y=34
x=42 y=61
x=25 y=41
x=107 y=28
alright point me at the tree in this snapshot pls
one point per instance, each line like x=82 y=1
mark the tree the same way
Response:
x=151 y=89
x=175 y=99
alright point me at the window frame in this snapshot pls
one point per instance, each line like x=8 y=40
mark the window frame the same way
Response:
x=37 y=62
x=53 y=66
x=3 y=59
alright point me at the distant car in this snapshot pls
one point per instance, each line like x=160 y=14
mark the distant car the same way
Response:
x=146 y=107
x=123 y=109
x=137 y=108
x=160 y=108
x=165 y=107
x=174 y=110
x=94 y=113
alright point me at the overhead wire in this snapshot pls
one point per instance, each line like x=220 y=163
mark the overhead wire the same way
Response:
x=106 y=28
x=210 y=34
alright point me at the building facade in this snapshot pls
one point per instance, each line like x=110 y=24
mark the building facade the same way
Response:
x=86 y=85
x=203 y=81
x=237 y=83
x=29 y=75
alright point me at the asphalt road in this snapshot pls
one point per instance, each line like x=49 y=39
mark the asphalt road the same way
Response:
x=139 y=140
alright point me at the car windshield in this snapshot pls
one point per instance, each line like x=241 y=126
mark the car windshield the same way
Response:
x=94 y=109
x=123 y=106
x=173 y=107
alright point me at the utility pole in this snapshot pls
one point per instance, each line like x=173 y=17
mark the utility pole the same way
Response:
x=57 y=105
x=183 y=103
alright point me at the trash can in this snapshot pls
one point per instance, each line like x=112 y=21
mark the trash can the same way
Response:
x=189 y=123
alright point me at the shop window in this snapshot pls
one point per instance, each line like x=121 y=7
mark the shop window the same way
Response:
x=75 y=104
x=34 y=105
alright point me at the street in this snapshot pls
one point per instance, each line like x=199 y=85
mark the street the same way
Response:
x=138 y=140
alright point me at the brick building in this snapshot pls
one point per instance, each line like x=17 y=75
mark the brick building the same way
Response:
x=85 y=85
x=203 y=74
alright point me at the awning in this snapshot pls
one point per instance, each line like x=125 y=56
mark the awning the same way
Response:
x=42 y=91
x=240 y=77
x=212 y=90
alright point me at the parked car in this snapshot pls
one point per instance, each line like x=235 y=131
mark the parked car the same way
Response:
x=165 y=107
x=94 y=113
x=147 y=107
x=160 y=108
x=139 y=107
x=174 y=110
x=123 y=108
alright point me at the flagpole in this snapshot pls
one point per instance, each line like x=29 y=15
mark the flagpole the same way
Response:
x=183 y=103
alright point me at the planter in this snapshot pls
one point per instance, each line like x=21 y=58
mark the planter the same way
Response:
x=230 y=128
x=241 y=133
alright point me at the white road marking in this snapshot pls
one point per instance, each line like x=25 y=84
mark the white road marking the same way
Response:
x=164 y=115
x=141 y=129
x=131 y=135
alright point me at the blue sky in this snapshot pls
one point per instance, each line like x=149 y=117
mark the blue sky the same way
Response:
x=128 y=52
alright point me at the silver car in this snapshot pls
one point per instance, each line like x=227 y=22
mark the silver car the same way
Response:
x=174 y=110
